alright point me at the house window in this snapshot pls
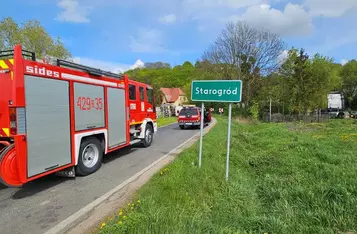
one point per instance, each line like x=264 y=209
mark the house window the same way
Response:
x=142 y=95
x=132 y=92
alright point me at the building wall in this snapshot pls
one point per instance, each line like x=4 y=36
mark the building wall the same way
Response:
x=180 y=101
x=163 y=98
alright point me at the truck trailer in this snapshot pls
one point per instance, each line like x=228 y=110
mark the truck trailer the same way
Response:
x=62 y=118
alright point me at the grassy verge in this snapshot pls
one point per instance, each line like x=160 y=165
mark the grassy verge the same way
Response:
x=284 y=178
x=165 y=121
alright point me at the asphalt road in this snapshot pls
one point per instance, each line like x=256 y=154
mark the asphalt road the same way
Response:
x=42 y=204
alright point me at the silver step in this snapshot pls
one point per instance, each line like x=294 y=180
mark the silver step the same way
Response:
x=68 y=172
x=133 y=142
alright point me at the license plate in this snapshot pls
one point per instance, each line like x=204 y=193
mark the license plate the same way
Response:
x=189 y=123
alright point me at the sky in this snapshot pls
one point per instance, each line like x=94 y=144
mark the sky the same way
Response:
x=118 y=35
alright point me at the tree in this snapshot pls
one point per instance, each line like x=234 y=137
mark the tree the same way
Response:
x=246 y=53
x=349 y=81
x=187 y=65
x=33 y=37
x=306 y=81
x=9 y=33
x=335 y=77
x=157 y=65
x=324 y=80
x=296 y=70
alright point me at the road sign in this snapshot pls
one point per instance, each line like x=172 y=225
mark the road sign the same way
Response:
x=216 y=90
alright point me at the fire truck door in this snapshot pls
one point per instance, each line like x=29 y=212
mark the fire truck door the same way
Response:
x=142 y=102
x=47 y=124
x=89 y=106
x=116 y=117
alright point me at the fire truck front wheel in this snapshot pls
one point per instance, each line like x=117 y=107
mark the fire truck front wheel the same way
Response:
x=90 y=156
x=149 y=135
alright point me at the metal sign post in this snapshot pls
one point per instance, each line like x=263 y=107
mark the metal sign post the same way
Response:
x=228 y=138
x=201 y=135
x=216 y=91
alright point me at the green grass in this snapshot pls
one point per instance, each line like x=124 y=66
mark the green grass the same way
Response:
x=166 y=120
x=284 y=178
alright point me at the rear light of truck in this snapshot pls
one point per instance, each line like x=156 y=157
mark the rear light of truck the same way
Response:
x=13 y=121
x=17 y=121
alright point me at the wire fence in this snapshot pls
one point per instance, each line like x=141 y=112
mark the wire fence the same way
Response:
x=307 y=118
x=165 y=111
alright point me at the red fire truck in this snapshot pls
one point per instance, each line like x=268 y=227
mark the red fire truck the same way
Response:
x=62 y=118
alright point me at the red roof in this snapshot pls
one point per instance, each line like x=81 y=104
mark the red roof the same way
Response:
x=172 y=94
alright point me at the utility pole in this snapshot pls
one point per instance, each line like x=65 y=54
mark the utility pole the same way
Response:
x=270 y=110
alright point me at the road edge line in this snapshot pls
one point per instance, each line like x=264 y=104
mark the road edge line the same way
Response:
x=167 y=125
x=69 y=222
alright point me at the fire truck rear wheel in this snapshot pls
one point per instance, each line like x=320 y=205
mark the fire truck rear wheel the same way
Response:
x=90 y=156
x=149 y=134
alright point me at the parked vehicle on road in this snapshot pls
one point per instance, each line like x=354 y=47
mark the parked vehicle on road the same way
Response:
x=191 y=116
x=353 y=114
x=62 y=118
x=343 y=115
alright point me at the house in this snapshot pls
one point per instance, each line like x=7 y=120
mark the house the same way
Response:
x=173 y=96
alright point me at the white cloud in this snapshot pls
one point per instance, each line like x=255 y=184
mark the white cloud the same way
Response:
x=72 y=11
x=168 y=19
x=330 y=8
x=293 y=21
x=147 y=41
x=283 y=56
x=344 y=61
x=208 y=11
x=108 y=66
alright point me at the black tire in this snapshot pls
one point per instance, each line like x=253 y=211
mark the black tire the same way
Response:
x=149 y=136
x=84 y=167
x=182 y=126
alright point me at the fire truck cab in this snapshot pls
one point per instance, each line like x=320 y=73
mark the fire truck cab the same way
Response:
x=62 y=118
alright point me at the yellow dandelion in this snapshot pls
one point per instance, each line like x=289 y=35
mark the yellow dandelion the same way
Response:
x=139 y=201
x=133 y=204
x=120 y=222
x=103 y=224
x=120 y=213
x=124 y=217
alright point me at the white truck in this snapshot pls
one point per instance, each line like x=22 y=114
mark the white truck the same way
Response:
x=335 y=103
